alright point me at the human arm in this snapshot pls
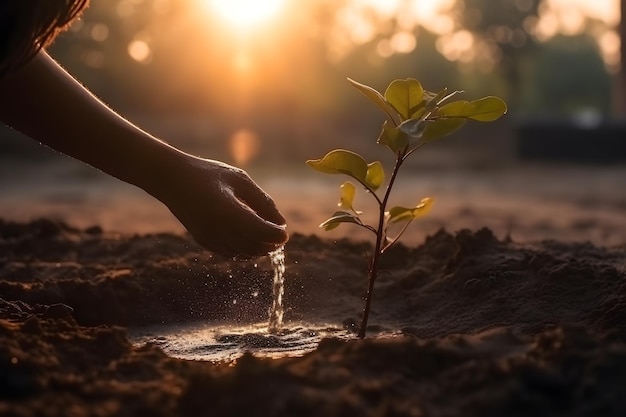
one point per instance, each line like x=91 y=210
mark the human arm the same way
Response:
x=223 y=209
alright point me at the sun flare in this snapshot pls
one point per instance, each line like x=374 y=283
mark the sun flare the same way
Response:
x=243 y=13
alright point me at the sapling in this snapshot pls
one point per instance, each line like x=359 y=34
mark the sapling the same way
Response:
x=414 y=117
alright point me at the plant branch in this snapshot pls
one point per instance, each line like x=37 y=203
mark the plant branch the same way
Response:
x=395 y=239
x=406 y=155
x=368 y=227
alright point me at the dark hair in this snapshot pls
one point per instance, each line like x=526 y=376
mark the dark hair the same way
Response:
x=26 y=26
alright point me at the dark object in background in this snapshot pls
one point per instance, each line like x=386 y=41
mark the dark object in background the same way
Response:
x=570 y=142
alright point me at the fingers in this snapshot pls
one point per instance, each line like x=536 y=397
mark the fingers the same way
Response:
x=233 y=245
x=250 y=225
x=258 y=200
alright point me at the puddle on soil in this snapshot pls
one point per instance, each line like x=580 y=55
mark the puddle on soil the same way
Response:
x=199 y=341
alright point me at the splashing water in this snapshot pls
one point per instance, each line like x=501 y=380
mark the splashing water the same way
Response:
x=276 y=312
x=224 y=342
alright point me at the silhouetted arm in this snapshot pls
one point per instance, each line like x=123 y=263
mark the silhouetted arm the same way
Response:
x=220 y=205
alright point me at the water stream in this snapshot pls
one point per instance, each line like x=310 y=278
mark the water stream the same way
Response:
x=276 y=311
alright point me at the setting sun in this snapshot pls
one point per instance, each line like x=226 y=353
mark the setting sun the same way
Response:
x=245 y=12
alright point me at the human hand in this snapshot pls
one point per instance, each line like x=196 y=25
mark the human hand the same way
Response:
x=223 y=208
x=220 y=205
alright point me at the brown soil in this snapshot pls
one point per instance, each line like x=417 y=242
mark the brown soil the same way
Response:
x=481 y=327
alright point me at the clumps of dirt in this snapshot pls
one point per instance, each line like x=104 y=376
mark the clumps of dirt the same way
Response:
x=126 y=280
x=467 y=282
x=483 y=327
x=54 y=367
x=453 y=283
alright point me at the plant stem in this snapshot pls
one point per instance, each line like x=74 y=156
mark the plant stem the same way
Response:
x=373 y=270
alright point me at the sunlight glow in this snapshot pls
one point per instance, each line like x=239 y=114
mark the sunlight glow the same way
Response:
x=243 y=13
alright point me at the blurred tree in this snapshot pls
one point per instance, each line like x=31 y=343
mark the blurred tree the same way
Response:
x=569 y=79
x=502 y=32
x=505 y=32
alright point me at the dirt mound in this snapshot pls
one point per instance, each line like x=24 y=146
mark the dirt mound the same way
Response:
x=483 y=327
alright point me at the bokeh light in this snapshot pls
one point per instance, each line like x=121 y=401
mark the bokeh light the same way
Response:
x=244 y=146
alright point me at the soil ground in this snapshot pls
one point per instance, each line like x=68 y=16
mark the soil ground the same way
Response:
x=516 y=307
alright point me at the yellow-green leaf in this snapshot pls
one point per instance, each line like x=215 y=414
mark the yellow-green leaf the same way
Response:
x=346 y=200
x=400 y=214
x=439 y=128
x=486 y=109
x=375 y=175
x=393 y=138
x=459 y=108
x=373 y=95
x=339 y=217
x=405 y=96
x=341 y=161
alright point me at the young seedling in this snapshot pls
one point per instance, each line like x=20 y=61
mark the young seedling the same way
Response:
x=415 y=117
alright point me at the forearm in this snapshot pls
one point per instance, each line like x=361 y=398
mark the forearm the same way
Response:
x=44 y=102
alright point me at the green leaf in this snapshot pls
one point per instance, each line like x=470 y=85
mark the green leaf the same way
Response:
x=339 y=217
x=486 y=109
x=405 y=96
x=431 y=101
x=375 y=175
x=393 y=137
x=459 y=108
x=346 y=200
x=401 y=214
x=439 y=128
x=374 y=96
x=341 y=161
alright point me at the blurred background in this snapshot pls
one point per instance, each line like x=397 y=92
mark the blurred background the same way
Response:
x=262 y=84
